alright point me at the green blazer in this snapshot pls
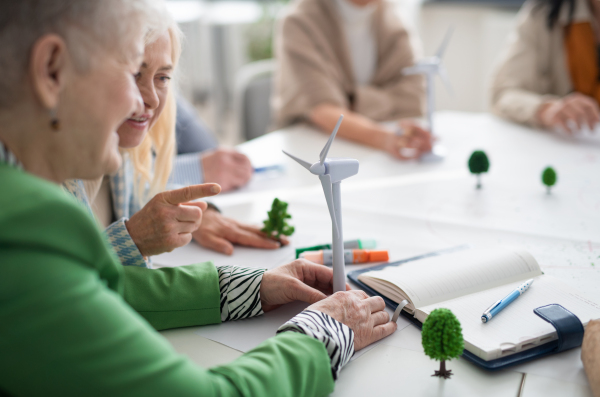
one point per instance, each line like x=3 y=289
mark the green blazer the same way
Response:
x=74 y=322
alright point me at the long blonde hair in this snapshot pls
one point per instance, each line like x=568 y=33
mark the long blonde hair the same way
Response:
x=152 y=160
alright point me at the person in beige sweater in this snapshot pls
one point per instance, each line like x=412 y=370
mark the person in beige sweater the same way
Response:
x=548 y=77
x=346 y=57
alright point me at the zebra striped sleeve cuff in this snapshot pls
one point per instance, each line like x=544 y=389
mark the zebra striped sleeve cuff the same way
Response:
x=337 y=337
x=122 y=243
x=240 y=292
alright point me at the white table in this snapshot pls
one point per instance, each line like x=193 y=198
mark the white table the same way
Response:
x=412 y=208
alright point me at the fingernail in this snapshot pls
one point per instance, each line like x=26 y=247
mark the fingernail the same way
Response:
x=215 y=189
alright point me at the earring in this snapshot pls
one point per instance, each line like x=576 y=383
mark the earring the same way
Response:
x=54 y=123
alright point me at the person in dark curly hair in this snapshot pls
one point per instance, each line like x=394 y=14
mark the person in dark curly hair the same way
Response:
x=549 y=75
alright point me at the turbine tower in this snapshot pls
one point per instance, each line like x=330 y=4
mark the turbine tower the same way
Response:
x=331 y=172
x=430 y=67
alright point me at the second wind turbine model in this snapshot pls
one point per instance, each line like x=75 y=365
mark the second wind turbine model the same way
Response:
x=331 y=172
x=430 y=67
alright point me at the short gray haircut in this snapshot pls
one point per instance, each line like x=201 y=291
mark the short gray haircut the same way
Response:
x=85 y=25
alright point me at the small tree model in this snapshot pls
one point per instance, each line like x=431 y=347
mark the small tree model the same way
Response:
x=549 y=178
x=442 y=339
x=276 y=225
x=479 y=163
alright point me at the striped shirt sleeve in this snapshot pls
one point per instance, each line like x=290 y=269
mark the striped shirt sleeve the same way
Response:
x=187 y=170
x=337 y=337
x=240 y=292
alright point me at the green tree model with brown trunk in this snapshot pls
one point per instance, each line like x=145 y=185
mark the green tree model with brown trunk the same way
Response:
x=442 y=339
x=276 y=224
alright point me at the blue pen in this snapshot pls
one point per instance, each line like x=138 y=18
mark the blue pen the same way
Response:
x=493 y=310
x=274 y=167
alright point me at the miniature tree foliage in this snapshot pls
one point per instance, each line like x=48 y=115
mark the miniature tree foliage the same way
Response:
x=442 y=339
x=549 y=178
x=276 y=224
x=478 y=164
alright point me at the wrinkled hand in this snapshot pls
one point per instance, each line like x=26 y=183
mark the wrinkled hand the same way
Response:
x=365 y=316
x=590 y=355
x=591 y=344
x=219 y=233
x=412 y=143
x=228 y=168
x=169 y=219
x=572 y=111
x=300 y=280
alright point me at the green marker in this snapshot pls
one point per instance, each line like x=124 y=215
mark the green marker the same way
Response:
x=351 y=244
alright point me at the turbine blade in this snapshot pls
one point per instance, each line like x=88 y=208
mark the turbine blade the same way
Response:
x=442 y=49
x=328 y=190
x=412 y=70
x=325 y=150
x=303 y=163
x=444 y=76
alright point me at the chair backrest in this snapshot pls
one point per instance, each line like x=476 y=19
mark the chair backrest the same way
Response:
x=252 y=98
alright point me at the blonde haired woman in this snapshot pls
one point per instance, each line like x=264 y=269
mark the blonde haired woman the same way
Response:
x=129 y=204
x=66 y=304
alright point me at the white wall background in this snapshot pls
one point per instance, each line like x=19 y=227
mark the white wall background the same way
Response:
x=480 y=33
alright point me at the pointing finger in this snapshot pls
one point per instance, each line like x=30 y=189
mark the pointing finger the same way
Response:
x=190 y=193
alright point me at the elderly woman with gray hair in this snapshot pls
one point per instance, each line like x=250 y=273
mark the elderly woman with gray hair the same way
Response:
x=67 y=307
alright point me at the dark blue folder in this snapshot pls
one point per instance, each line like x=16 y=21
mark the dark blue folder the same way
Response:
x=492 y=365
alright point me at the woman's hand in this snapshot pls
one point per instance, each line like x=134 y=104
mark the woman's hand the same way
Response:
x=572 y=111
x=411 y=144
x=227 y=167
x=169 y=219
x=299 y=280
x=365 y=316
x=219 y=233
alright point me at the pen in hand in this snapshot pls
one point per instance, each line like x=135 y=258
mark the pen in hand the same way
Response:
x=493 y=310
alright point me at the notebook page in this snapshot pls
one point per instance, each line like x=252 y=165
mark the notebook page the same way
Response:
x=516 y=327
x=445 y=277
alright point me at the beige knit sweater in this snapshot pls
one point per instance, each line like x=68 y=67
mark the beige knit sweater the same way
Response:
x=533 y=68
x=314 y=67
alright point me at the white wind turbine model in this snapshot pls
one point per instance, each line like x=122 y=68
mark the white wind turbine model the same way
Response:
x=331 y=172
x=430 y=67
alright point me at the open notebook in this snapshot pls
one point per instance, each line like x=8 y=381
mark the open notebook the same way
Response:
x=468 y=282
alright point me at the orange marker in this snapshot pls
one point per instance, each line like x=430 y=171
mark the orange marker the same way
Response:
x=325 y=257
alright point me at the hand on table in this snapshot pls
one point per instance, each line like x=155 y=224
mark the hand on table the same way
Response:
x=590 y=355
x=365 y=316
x=300 y=280
x=572 y=111
x=169 y=219
x=219 y=233
x=227 y=167
x=414 y=141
